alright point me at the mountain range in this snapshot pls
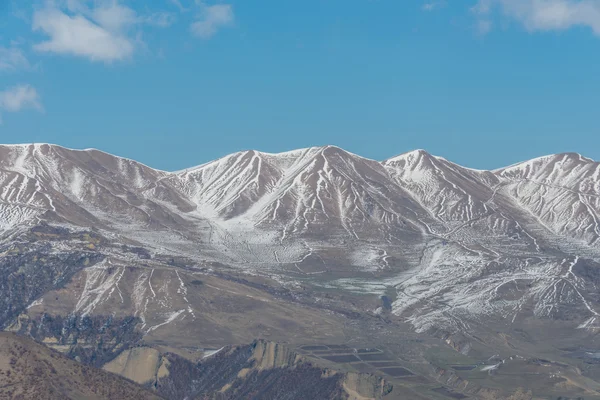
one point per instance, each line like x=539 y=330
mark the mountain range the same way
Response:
x=469 y=279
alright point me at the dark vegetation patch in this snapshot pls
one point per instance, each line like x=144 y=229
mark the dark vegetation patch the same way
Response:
x=386 y=303
x=463 y=367
x=396 y=371
x=176 y=261
x=365 y=351
x=312 y=348
x=49 y=233
x=378 y=364
x=375 y=357
x=448 y=393
x=341 y=359
x=334 y=351
x=141 y=252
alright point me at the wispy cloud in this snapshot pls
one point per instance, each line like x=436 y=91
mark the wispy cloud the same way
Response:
x=544 y=15
x=433 y=5
x=105 y=31
x=178 y=4
x=19 y=98
x=13 y=59
x=160 y=19
x=211 y=19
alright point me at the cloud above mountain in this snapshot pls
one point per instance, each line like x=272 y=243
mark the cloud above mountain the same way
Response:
x=20 y=97
x=77 y=35
x=104 y=31
x=543 y=15
x=211 y=19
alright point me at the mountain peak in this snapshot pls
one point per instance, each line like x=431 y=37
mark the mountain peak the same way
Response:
x=575 y=156
x=409 y=156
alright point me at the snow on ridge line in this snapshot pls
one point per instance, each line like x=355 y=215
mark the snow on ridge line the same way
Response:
x=425 y=153
x=290 y=152
x=242 y=153
x=402 y=156
x=547 y=157
x=405 y=155
x=86 y=150
x=297 y=153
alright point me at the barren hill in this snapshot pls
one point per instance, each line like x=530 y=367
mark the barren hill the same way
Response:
x=29 y=370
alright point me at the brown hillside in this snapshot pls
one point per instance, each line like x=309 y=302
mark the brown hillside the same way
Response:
x=29 y=370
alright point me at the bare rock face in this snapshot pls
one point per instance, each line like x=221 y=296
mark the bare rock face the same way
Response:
x=100 y=256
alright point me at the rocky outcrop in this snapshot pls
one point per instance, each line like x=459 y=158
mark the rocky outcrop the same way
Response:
x=270 y=355
x=263 y=370
x=29 y=270
x=90 y=340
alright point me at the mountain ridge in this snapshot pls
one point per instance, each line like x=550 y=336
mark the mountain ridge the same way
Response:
x=304 y=246
x=286 y=152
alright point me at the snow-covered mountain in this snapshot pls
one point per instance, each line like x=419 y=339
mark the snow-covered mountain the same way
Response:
x=511 y=243
x=295 y=190
x=290 y=244
x=83 y=187
x=561 y=191
x=449 y=191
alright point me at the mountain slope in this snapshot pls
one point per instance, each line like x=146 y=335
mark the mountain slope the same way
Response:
x=30 y=370
x=297 y=189
x=100 y=254
x=85 y=187
x=294 y=190
x=451 y=192
x=562 y=191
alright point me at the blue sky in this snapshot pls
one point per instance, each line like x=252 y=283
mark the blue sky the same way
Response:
x=175 y=83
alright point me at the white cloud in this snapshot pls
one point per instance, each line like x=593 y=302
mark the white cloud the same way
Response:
x=211 y=19
x=13 y=59
x=104 y=31
x=114 y=17
x=19 y=98
x=545 y=15
x=77 y=35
